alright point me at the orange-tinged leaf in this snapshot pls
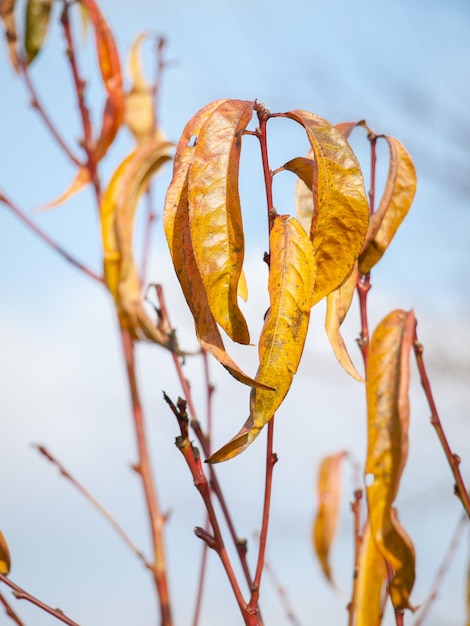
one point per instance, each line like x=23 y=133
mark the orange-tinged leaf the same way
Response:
x=337 y=306
x=139 y=115
x=290 y=285
x=177 y=231
x=110 y=68
x=7 y=15
x=396 y=201
x=215 y=214
x=242 y=287
x=37 y=23
x=329 y=499
x=370 y=582
x=346 y=128
x=5 y=561
x=81 y=180
x=341 y=211
x=387 y=383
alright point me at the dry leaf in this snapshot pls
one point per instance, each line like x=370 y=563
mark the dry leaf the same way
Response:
x=329 y=498
x=215 y=214
x=81 y=180
x=397 y=198
x=341 y=215
x=290 y=285
x=5 y=561
x=387 y=383
x=37 y=24
x=7 y=15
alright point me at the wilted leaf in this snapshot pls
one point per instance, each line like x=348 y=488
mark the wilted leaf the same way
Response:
x=341 y=214
x=7 y=14
x=290 y=286
x=396 y=200
x=177 y=231
x=346 y=128
x=215 y=214
x=337 y=306
x=5 y=561
x=81 y=180
x=110 y=68
x=37 y=23
x=139 y=113
x=387 y=383
x=370 y=582
x=118 y=211
x=326 y=521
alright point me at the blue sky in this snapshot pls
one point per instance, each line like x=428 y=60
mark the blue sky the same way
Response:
x=402 y=66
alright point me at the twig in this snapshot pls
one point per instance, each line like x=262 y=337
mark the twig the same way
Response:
x=99 y=507
x=21 y=594
x=442 y=571
x=10 y=612
x=356 y=510
x=37 y=105
x=48 y=240
x=143 y=468
x=363 y=287
x=453 y=459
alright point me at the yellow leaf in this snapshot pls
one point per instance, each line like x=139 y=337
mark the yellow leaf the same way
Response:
x=326 y=521
x=37 y=24
x=341 y=214
x=139 y=115
x=118 y=209
x=7 y=15
x=5 y=561
x=215 y=213
x=370 y=582
x=337 y=306
x=242 y=287
x=387 y=383
x=81 y=180
x=290 y=286
x=177 y=231
x=397 y=198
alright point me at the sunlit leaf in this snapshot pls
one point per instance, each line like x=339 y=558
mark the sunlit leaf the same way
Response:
x=243 y=287
x=341 y=211
x=5 y=561
x=397 y=198
x=7 y=15
x=290 y=286
x=37 y=24
x=370 y=583
x=110 y=68
x=346 y=128
x=337 y=306
x=118 y=209
x=387 y=383
x=81 y=180
x=139 y=113
x=177 y=231
x=329 y=499
x=215 y=215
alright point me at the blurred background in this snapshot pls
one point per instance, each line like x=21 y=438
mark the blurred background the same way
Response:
x=402 y=66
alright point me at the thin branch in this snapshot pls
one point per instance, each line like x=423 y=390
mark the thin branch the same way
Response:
x=143 y=468
x=356 y=510
x=453 y=459
x=363 y=287
x=442 y=571
x=150 y=217
x=10 y=612
x=21 y=594
x=39 y=107
x=48 y=240
x=94 y=502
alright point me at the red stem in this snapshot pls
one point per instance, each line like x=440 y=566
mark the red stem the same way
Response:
x=263 y=116
x=21 y=594
x=143 y=468
x=10 y=612
x=356 y=509
x=48 y=240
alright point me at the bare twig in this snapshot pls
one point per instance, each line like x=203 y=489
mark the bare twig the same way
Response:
x=21 y=594
x=10 y=612
x=356 y=510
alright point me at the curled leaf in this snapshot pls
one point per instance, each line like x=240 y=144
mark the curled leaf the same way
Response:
x=139 y=115
x=326 y=521
x=81 y=180
x=290 y=286
x=387 y=385
x=215 y=214
x=7 y=15
x=395 y=203
x=337 y=306
x=177 y=231
x=341 y=212
x=5 y=561
x=371 y=578
x=37 y=24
